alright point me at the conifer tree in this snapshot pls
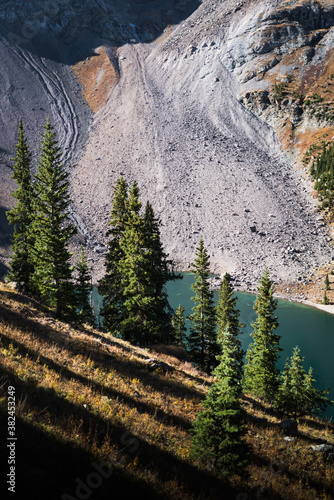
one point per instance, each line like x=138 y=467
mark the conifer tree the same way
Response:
x=316 y=399
x=202 y=340
x=135 y=302
x=326 y=282
x=217 y=435
x=297 y=395
x=325 y=300
x=261 y=374
x=139 y=323
x=283 y=399
x=84 y=289
x=21 y=217
x=291 y=396
x=228 y=314
x=179 y=326
x=51 y=229
x=110 y=285
x=160 y=271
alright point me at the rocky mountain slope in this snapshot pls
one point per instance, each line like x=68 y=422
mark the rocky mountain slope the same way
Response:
x=207 y=105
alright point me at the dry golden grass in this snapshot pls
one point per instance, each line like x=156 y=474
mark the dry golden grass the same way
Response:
x=84 y=396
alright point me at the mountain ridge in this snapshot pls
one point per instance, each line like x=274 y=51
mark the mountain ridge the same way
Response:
x=171 y=118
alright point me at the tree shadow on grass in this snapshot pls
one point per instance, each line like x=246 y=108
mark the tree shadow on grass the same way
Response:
x=93 y=350
x=162 y=464
x=258 y=405
x=48 y=468
x=320 y=425
x=113 y=343
x=131 y=402
x=281 y=469
x=25 y=300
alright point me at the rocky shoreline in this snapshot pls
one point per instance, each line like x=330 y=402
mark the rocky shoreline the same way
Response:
x=240 y=286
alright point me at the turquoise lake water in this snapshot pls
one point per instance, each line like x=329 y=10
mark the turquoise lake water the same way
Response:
x=309 y=328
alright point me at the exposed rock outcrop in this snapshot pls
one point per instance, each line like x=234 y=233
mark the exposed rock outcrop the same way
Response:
x=283 y=58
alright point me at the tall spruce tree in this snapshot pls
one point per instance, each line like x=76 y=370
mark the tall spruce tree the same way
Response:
x=228 y=314
x=202 y=340
x=51 y=229
x=110 y=285
x=160 y=271
x=135 y=302
x=217 y=434
x=261 y=374
x=137 y=325
x=83 y=288
x=21 y=217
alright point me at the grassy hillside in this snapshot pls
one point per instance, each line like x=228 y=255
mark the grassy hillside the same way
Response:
x=86 y=402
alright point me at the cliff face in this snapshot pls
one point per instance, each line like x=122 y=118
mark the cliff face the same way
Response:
x=79 y=23
x=168 y=107
x=283 y=59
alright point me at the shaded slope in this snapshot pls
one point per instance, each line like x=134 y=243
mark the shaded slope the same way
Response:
x=84 y=397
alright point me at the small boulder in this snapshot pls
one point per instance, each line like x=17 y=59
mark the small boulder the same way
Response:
x=154 y=365
x=323 y=448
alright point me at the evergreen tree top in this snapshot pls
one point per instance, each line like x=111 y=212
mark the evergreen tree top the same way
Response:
x=22 y=158
x=201 y=264
x=119 y=210
x=265 y=305
x=227 y=313
x=133 y=202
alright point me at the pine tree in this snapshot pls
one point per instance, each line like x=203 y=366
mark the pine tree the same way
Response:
x=135 y=302
x=316 y=400
x=84 y=289
x=291 y=394
x=326 y=282
x=140 y=303
x=297 y=395
x=21 y=217
x=51 y=229
x=261 y=374
x=284 y=401
x=325 y=300
x=228 y=314
x=218 y=430
x=202 y=340
x=179 y=326
x=110 y=285
x=160 y=272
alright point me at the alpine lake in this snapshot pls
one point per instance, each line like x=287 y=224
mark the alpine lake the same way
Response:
x=308 y=327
